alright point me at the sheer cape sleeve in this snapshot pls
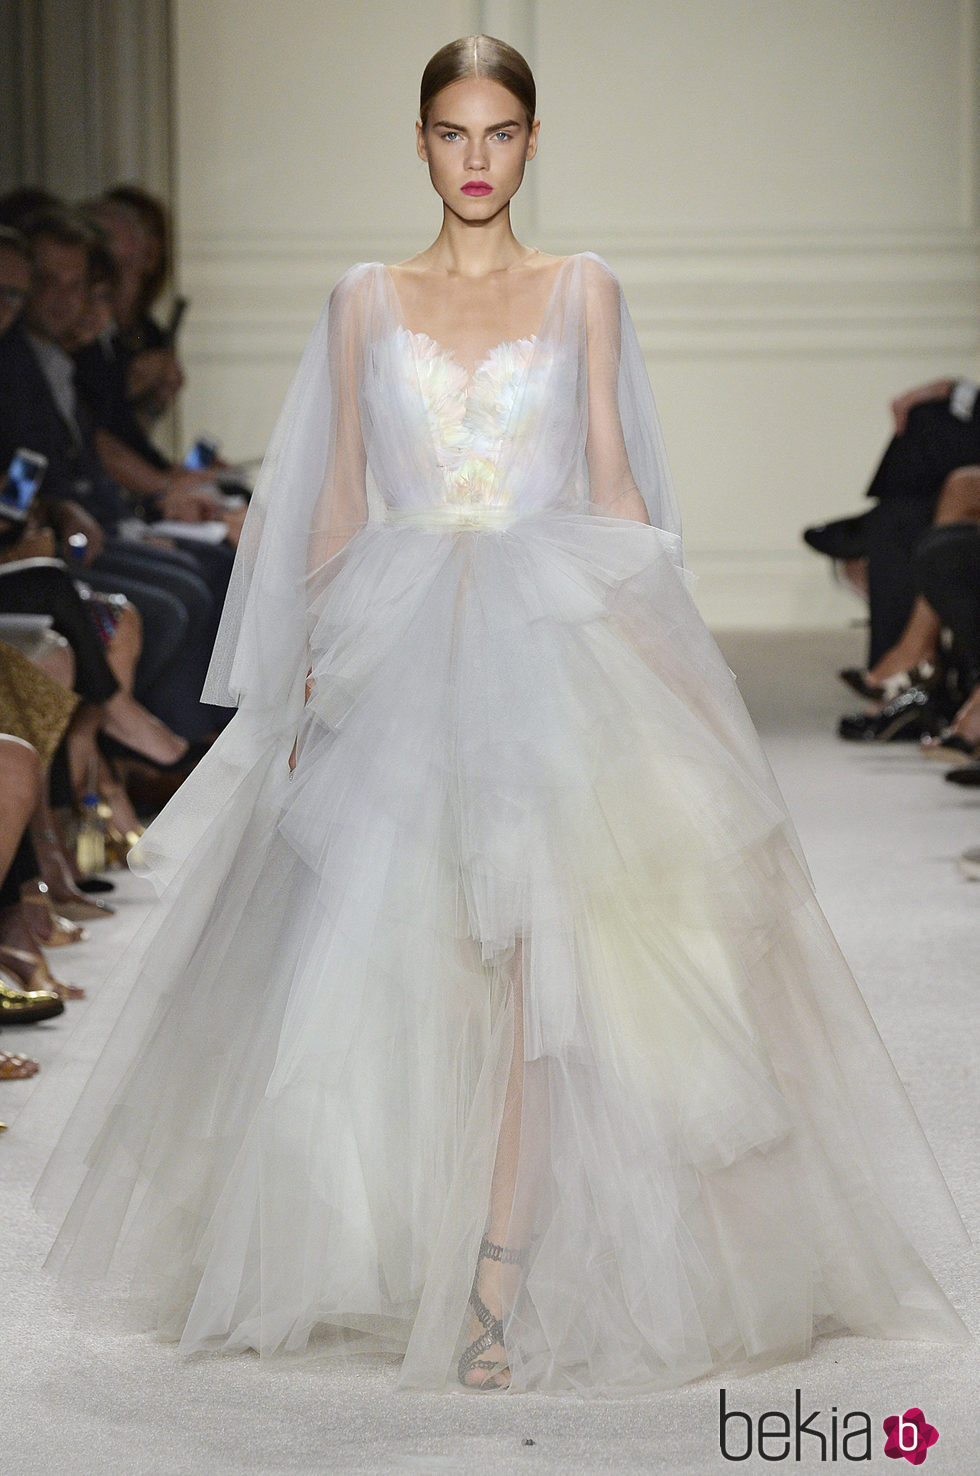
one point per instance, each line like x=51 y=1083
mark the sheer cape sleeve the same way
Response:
x=628 y=473
x=309 y=499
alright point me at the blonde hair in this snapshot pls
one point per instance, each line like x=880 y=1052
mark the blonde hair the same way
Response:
x=478 y=56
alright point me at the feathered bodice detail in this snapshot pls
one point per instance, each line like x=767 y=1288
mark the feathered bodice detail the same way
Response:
x=471 y=417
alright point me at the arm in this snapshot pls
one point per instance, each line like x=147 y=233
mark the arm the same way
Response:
x=613 y=489
x=342 y=504
x=176 y=492
x=299 y=517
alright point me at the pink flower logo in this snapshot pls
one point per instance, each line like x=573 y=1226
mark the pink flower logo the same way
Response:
x=910 y=1436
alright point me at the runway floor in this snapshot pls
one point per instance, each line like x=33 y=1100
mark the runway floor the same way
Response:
x=881 y=832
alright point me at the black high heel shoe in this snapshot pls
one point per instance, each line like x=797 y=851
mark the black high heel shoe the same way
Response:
x=924 y=674
x=493 y=1326
x=912 y=715
x=968 y=776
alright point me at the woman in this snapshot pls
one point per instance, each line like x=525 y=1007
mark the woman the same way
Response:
x=507 y=1034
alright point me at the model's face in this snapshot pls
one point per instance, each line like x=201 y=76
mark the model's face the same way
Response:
x=476 y=143
x=15 y=281
x=59 y=291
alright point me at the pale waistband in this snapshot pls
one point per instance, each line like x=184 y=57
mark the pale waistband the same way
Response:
x=448 y=515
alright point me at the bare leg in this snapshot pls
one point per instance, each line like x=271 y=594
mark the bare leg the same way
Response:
x=56 y=867
x=20 y=773
x=491 y=1274
x=123 y=650
x=82 y=749
x=959 y=502
x=919 y=641
x=58 y=662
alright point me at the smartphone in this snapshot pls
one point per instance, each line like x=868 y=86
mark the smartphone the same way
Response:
x=202 y=454
x=24 y=476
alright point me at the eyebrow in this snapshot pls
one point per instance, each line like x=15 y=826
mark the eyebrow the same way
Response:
x=458 y=127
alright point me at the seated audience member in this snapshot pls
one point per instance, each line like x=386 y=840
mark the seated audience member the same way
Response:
x=138 y=234
x=947 y=569
x=124 y=448
x=15 y=276
x=916 y=681
x=101 y=368
x=21 y=781
x=37 y=709
x=17 y=205
x=40 y=409
x=936 y=431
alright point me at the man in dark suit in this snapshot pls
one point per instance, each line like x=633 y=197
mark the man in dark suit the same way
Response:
x=40 y=409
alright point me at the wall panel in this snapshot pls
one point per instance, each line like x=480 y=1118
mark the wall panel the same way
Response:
x=788 y=192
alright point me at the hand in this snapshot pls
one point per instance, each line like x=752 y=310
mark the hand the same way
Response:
x=187 y=501
x=70 y=518
x=938 y=389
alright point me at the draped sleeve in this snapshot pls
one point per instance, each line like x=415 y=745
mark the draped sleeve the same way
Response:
x=627 y=464
x=310 y=498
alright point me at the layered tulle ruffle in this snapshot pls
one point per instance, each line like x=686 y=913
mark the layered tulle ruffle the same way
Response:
x=519 y=802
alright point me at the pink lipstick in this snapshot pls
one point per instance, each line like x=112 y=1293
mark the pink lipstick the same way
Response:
x=477 y=187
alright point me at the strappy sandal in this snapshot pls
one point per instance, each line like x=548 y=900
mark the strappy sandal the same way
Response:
x=950 y=747
x=33 y=972
x=48 y=928
x=493 y=1326
x=15 y=1067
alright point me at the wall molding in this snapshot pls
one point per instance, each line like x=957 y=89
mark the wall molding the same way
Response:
x=790 y=589
x=772 y=295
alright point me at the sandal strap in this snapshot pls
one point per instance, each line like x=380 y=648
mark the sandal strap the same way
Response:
x=470 y=1356
x=481 y=1309
x=494 y=1252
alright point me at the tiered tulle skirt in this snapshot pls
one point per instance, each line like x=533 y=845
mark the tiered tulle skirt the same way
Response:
x=530 y=820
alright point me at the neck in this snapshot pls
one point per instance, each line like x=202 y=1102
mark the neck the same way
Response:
x=476 y=248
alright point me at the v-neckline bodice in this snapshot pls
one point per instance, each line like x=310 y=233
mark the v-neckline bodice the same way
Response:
x=446 y=350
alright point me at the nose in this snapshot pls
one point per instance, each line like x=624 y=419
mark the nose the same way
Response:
x=476 y=154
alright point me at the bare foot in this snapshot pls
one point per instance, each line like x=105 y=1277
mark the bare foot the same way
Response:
x=59 y=876
x=899 y=659
x=965 y=726
x=114 y=795
x=128 y=722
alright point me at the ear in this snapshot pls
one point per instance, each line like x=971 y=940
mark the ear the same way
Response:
x=532 y=142
x=421 y=149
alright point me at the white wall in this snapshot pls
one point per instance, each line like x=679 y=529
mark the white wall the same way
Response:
x=788 y=189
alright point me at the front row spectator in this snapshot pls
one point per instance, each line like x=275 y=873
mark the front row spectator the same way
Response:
x=175 y=589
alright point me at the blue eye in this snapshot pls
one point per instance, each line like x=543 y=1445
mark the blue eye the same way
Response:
x=446 y=137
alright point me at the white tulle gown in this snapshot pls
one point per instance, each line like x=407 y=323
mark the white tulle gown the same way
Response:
x=529 y=815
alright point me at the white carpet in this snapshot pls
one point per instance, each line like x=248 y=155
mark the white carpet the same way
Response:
x=881 y=831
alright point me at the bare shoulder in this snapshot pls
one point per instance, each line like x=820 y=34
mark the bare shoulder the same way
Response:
x=543 y=261
x=415 y=266
x=595 y=270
